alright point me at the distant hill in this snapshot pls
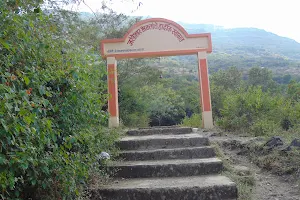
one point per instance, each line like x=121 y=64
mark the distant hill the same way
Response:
x=247 y=47
x=248 y=41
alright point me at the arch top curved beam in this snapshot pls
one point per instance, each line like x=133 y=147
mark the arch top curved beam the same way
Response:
x=156 y=37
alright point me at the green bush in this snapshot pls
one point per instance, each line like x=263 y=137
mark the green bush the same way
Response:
x=252 y=110
x=132 y=109
x=51 y=96
x=194 y=121
x=135 y=120
x=241 y=108
x=264 y=127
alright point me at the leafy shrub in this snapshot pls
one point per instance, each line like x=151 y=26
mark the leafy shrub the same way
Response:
x=251 y=109
x=132 y=109
x=50 y=98
x=135 y=120
x=164 y=105
x=243 y=107
x=194 y=121
x=263 y=127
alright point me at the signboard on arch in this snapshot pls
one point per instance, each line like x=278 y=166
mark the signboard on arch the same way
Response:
x=156 y=37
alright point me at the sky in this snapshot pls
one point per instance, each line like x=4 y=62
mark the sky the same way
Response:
x=281 y=17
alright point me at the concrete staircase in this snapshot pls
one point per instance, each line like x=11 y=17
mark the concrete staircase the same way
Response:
x=169 y=163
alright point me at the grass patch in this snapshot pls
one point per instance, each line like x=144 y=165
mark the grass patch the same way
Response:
x=276 y=160
x=194 y=121
x=244 y=181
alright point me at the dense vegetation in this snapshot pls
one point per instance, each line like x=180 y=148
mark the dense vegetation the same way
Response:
x=52 y=89
x=258 y=105
x=149 y=97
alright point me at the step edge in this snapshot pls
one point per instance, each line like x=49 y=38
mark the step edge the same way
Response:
x=230 y=184
x=167 y=137
x=167 y=149
x=224 y=179
x=160 y=162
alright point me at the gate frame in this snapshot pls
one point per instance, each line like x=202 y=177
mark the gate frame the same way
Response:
x=201 y=52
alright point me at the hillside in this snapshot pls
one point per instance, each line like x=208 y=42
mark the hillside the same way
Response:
x=244 y=48
x=248 y=42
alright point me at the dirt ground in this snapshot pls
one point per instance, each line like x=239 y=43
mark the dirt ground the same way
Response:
x=267 y=186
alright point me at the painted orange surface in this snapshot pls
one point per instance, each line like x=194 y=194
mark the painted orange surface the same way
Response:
x=113 y=90
x=200 y=85
x=205 y=93
x=161 y=53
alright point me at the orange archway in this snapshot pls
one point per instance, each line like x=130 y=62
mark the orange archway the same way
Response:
x=157 y=37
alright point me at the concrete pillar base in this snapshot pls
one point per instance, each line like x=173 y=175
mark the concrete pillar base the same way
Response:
x=207 y=119
x=113 y=122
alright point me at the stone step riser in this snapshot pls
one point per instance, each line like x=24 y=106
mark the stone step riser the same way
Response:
x=168 y=143
x=169 y=170
x=226 y=192
x=187 y=153
x=157 y=131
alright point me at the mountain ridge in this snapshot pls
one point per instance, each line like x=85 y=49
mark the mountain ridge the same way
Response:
x=252 y=41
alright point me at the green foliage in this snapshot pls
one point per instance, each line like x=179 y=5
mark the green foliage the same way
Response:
x=255 y=105
x=293 y=91
x=189 y=91
x=136 y=120
x=264 y=127
x=51 y=94
x=261 y=77
x=162 y=104
x=194 y=121
x=253 y=109
x=222 y=81
x=148 y=99
x=227 y=79
x=133 y=111
x=283 y=79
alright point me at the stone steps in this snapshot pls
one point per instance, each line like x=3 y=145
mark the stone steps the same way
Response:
x=166 y=164
x=161 y=154
x=162 y=141
x=180 y=188
x=160 y=130
x=167 y=168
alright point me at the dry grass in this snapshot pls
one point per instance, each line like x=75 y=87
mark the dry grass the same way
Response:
x=245 y=182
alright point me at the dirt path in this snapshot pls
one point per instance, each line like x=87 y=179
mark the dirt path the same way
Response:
x=268 y=186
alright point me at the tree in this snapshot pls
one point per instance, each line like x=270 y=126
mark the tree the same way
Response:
x=263 y=77
x=228 y=79
x=293 y=91
x=164 y=105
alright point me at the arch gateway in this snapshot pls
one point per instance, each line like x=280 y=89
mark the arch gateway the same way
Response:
x=157 y=37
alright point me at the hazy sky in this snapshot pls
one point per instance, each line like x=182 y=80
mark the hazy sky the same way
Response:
x=278 y=16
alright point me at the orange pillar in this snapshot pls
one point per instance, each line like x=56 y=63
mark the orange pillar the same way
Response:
x=112 y=82
x=207 y=120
